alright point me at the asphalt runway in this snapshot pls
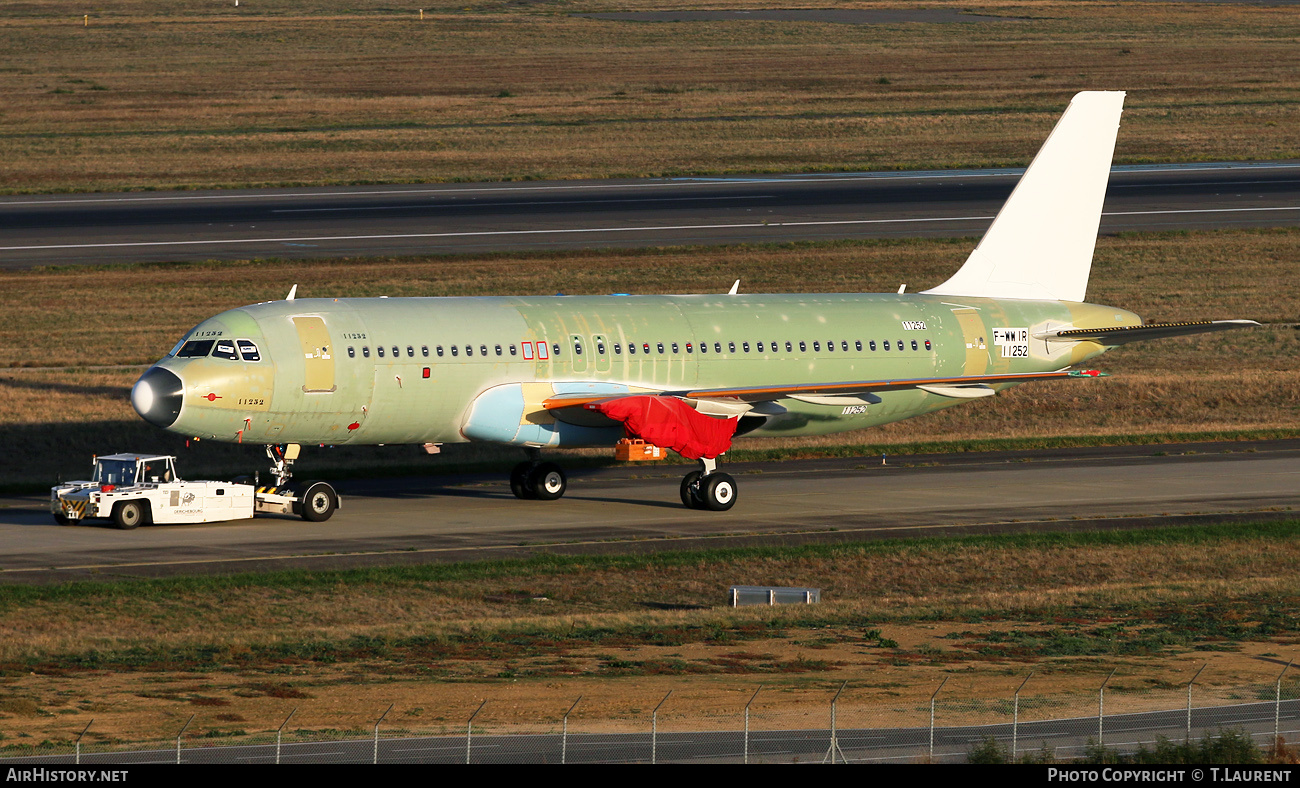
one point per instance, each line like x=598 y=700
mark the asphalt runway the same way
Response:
x=637 y=510
x=458 y=218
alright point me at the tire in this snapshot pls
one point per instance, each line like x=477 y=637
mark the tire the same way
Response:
x=130 y=514
x=719 y=492
x=519 y=482
x=691 y=490
x=62 y=520
x=547 y=481
x=317 y=502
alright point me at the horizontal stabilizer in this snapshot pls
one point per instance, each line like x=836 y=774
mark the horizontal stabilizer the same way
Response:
x=1120 y=335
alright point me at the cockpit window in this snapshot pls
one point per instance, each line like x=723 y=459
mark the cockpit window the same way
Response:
x=248 y=350
x=196 y=348
x=225 y=348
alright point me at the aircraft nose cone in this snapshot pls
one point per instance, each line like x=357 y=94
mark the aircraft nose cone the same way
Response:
x=157 y=396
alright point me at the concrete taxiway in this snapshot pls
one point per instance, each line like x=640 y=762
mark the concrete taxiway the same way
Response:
x=636 y=509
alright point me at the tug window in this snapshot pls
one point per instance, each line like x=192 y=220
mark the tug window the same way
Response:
x=248 y=350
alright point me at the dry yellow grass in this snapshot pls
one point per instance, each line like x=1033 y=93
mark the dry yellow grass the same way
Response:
x=173 y=94
x=939 y=603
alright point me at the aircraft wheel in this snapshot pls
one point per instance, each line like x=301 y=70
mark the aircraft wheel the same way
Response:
x=317 y=502
x=691 y=490
x=547 y=481
x=128 y=514
x=519 y=481
x=719 y=492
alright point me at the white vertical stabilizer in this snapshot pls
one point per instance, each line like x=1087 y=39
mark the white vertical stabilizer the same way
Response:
x=1040 y=245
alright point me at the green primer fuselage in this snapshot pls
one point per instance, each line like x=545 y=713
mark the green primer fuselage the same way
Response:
x=381 y=370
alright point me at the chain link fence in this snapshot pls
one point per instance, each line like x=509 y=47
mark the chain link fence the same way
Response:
x=762 y=727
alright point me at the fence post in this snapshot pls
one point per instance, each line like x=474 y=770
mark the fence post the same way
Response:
x=1277 y=704
x=747 y=705
x=83 y=733
x=469 y=728
x=280 y=730
x=381 y=719
x=1101 y=709
x=1015 y=718
x=564 y=737
x=932 y=697
x=179 y=735
x=1189 y=701
x=835 y=743
x=654 y=729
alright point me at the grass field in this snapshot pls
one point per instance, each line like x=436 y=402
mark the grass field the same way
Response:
x=174 y=94
x=240 y=652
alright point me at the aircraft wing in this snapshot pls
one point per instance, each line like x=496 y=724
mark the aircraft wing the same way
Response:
x=961 y=387
x=1119 y=335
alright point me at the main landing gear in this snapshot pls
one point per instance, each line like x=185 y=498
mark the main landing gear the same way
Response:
x=705 y=489
x=708 y=489
x=534 y=479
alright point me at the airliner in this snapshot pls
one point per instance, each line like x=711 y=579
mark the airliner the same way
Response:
x=685 y=372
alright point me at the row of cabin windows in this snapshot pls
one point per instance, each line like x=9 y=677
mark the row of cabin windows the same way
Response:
x=760 y=347
x=455 y=350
